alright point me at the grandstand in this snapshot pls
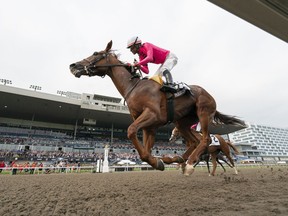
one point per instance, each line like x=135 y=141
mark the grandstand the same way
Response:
x=78 y=124
x=71 y=115
x=40 y=126
x=37 y=122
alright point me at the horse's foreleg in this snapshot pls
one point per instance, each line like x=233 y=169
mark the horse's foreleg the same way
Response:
x=146 y=119
x=149 y=140
x=213 y=157
x=132 y=135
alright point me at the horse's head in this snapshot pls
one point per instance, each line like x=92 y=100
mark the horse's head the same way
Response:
x=175 y=135
x=94 y=65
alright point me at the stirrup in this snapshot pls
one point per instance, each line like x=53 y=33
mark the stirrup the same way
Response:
x=168 y=88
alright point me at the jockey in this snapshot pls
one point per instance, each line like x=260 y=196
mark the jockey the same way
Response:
x=149 y=53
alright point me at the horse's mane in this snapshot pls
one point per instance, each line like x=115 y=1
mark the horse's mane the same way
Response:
x=117 y=56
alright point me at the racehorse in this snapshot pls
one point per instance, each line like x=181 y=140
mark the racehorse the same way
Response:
x=218 y=145
x=149 y=110
x=206 y=157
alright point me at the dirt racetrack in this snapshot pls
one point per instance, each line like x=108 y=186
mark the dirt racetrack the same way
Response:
x=258 y=191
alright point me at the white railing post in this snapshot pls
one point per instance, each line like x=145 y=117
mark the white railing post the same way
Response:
x=105 y=162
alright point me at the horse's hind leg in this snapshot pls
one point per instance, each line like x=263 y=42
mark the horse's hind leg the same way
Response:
x=200 y=149
x=226 y=150
x=232 y=163
x=217 y=159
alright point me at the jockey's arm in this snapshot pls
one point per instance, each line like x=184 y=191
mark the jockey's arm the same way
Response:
x=144 y=69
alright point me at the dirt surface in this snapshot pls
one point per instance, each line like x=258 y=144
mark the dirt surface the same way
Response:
x=258 y=191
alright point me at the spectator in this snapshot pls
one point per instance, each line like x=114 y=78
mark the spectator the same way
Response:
x=14 y=167
x=40 y=166
x=33 y=166
x=78 y=166
x=2 y=165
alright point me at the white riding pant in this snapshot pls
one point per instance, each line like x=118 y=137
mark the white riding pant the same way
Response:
x=170 y=62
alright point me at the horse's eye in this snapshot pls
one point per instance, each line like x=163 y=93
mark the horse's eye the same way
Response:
x=95 y=53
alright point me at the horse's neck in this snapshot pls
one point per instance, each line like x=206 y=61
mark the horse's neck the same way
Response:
x=121 y=79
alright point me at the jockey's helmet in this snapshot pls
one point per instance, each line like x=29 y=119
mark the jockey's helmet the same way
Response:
x=133 y=40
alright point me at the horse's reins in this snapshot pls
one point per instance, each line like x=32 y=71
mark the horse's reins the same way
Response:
x=130 y=90
x=93 y=65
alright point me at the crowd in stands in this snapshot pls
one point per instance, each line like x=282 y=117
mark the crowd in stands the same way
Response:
x=120 y=149
x=82 y=143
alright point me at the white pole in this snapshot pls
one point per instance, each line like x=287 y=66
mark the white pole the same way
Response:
x=98 y=166
x=105 y=162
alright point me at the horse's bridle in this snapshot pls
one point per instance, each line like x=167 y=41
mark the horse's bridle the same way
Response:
x=92 y=64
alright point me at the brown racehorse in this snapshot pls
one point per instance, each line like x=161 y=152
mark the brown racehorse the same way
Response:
x=148 y=108
x=213 y=150
x=206 y=158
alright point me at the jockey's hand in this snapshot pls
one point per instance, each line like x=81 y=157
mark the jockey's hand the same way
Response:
x=133 y=68
x=136 y=65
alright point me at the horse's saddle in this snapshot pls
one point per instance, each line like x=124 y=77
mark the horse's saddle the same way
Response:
x=181 y=87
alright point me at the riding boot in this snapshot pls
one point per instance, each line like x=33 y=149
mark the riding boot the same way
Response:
x=169 y=83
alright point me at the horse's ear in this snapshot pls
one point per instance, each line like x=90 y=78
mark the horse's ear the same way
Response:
x=108 y=47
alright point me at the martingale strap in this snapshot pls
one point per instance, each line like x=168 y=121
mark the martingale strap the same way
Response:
x=170 y=109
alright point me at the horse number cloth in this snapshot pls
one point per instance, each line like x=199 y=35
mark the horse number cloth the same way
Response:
x=215 y=140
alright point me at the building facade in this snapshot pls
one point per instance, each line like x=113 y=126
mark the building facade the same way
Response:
x=261 y=142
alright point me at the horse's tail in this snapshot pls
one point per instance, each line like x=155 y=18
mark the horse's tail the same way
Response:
x=233 y=147
x=227 y=119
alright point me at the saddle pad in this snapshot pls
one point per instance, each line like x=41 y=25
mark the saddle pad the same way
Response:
x=157 y=79
x=181 y=87
x=215 y=141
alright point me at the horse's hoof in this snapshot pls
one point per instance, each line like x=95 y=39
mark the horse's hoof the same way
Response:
x=183 y=165
x=189 y=169
x=160 y=165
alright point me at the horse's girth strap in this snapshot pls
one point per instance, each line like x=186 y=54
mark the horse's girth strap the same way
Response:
x=170 y=109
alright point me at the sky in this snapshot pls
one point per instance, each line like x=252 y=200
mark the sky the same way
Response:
x=243 y=67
